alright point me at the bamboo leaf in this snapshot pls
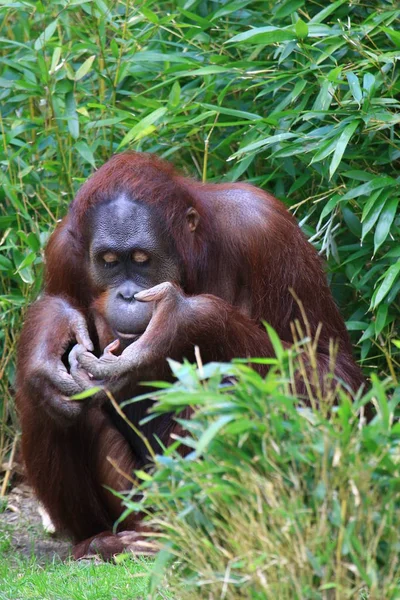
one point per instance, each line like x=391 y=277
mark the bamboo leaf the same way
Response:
x=327 y=148
x=385 y=222
x=263 y=35
x=84 y=68
x=372 y=218
x=28 y=260
x=230 y=8
x=175 y=95
x=141 y=128
x=211 y=432
x=342 y=145
x=275 y=340
x=301 y=29
x=393 y=34
x=381 y=318
x=369 y=205
x=370 y=186
x=352 y=221
x=328 y=10
x=86 y=393
x=355 y=87
x=386 y=285
x=5 y=263
x=325 y=97
x=287 y=8
x=72 y=115
x=368 y=333
x=268 y=141
x=85 y=152
x=368 y=82
x=241 y=114
x=45 y=36
x=55 y=59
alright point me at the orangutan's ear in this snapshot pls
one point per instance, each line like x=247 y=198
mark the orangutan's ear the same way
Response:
x=193 y=219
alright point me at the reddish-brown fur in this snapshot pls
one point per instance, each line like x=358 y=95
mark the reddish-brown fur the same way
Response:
x=246 y=254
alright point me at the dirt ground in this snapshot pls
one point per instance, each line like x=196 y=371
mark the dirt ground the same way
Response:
x=26 y=522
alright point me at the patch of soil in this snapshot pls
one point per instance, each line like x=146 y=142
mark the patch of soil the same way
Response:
x=26 y=521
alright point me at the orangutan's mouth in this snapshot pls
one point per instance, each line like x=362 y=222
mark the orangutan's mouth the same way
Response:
x=128 y=336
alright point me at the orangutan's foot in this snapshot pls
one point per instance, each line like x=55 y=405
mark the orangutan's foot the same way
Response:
x=107 y=544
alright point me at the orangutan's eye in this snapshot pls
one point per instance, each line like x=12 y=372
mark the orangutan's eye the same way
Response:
x=139 y=256
x=109 y=258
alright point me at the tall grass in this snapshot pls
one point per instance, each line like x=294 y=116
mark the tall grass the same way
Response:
x=278 y=499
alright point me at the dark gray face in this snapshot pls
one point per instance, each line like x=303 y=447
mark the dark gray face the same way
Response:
x=129 y=252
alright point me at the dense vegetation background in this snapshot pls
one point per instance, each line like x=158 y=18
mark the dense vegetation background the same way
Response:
x=299 y=97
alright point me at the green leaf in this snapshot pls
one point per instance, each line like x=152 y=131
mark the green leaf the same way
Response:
x=241 y=114
x=356 y=325
x=31 y=240
x=358 y=175
x=9 y=190
x=381 y=318
x=325 y=97
x=327 y=148
x=85 y=152
x=55 y=59
x=368 y=333
x=28 y=260
x=301 y=29
x=263 y=35
x=329 y=206
x=174 y=95
x=84 y=68
x=354 y=85
x=275 y=341
x=385 y=287
x=159 y=567
x=5 y=263
x=370 y=186
x=334 y=74
x=385 y=222
x=393 y=296
x=211 y=432
x=205 y=71
x=140 y=129
x=393 y=34
x=341 y=146
x=287 y=8
x=328 y=10
x=45 y=36
x=87 y=393
x=114 y=48
x=368 y=82
x=268 y=141
x=352 y=221
x=143 y=475
x=26 y=275
x=196 y=17
x=102 y=6
x=72 y=115
x=153 y=57
x=150 y=15
x=369 y=205
x=230 y=8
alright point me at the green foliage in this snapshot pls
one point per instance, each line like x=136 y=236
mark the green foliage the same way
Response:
x=275 y=500
x=300 y=100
